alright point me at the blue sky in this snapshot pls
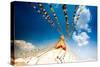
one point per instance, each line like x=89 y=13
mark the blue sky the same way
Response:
x=33 y=28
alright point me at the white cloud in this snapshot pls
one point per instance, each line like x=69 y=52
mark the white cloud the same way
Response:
x=84 y=17
x=24 y=45
x=24 y=49
x=81 y=39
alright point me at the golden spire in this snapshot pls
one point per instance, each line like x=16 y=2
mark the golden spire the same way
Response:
x=61 y=43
